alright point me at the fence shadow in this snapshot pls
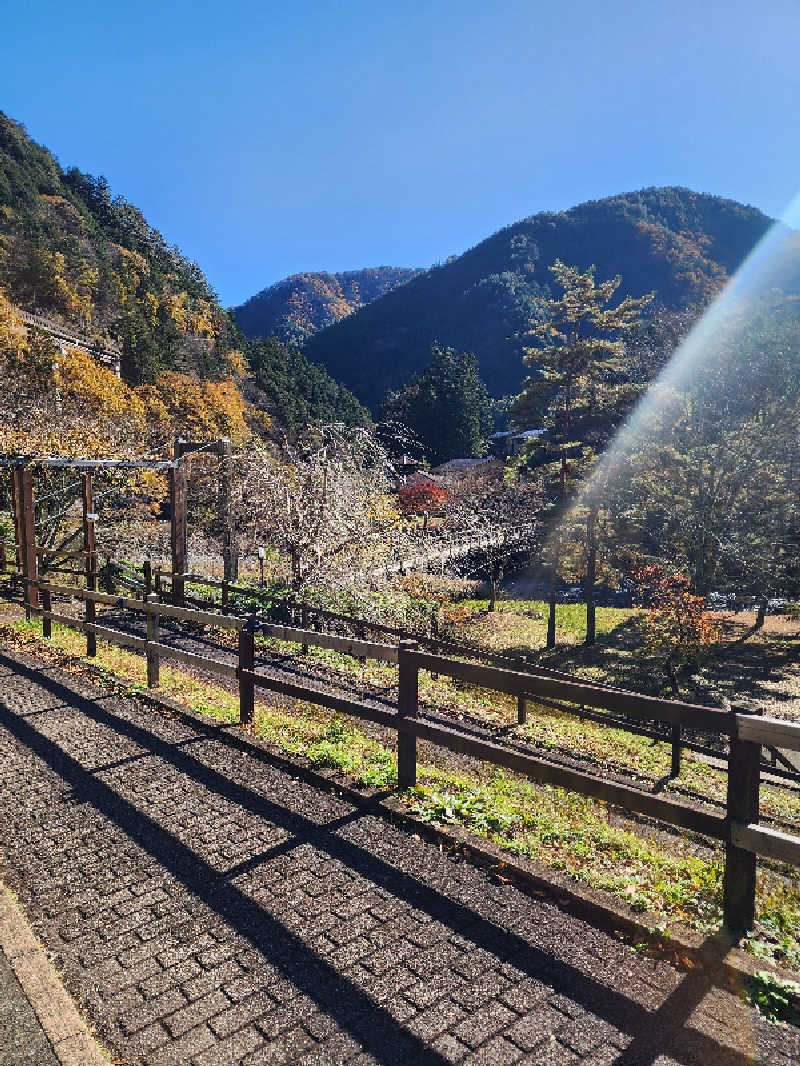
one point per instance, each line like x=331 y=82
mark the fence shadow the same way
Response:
x=335 y=994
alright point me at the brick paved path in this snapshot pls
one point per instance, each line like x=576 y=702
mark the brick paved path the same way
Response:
x=207 y=907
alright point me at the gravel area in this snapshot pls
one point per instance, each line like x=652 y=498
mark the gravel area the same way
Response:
x=22 y=1040
x=206 y=907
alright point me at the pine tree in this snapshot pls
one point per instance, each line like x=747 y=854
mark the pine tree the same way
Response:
x=447 y=406
x=579 y=391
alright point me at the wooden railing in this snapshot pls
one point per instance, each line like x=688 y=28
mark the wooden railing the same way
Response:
x=149 y=579
x=738 y=827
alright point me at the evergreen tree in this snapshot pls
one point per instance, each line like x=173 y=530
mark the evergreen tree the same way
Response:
x=446 y=406
x=579 y=390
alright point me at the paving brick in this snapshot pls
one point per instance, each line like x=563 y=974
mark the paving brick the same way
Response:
x=179 y=1052
x=496 y=1052
x=358 y=945
x=200 y=1010
x=175 y=977
x=483 y=1024
x=152 y=1010
x=451 y=1048
x=232 y=1049
x=429 y=1023
x=240 y=1015
x=286 y=1048
x=535 y=1028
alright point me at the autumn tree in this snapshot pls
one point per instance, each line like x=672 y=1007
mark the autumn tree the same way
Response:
x=578 y=391
x=713 y=486
x=421 y=496
x=678 y=631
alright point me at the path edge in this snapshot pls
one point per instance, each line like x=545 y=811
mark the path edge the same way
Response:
x=69 y=1036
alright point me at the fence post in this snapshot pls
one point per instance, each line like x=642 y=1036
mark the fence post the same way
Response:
x=304 y=622
x=247 y=658
x=522 y=710
x=407 y=707
x=153 y=658
x=225 y=595
x=109 y=572
x=47 y=606
x=147 y=571
x=26 y=536
x=675 y=738
x=157 y=583
x=739 y=882
x=177 y=509
x=90 y=609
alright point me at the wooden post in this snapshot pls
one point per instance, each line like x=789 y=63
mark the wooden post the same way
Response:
x=675 y=740
x=522 y=710
x=230 y=553
x=47 y=606
x=26 y=536
x=110 y=587
x=247 y=658
x=407 y=707
x=304 y=622
x=90 y=547
x=153 y=659
x=739 y=882
x=157 y=583
x=147 y=573
x=225 y=595
x=177 y=500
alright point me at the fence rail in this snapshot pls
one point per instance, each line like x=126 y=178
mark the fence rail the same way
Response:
x=113 y=574
x=738 y=828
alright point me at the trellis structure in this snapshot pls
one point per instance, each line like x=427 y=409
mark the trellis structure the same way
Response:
x=32 y=558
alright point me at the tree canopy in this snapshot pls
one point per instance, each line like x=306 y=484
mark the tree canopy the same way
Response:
x=446 y=407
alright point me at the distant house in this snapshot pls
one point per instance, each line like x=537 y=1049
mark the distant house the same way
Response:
x=406 y=468
x=458 y=469
x=509 y=443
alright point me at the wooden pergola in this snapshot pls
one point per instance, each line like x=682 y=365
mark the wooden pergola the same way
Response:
x=23 y=468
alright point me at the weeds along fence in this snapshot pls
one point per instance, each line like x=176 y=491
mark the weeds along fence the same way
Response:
x=738 y=828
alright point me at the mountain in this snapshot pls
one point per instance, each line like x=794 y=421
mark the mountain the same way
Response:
x=92 y=263
x=681 y=243
x=70 y=250
x=303 y=304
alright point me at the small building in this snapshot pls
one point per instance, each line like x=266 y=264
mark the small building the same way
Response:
x=405 y=468
x=510 y=442
x=460 y=469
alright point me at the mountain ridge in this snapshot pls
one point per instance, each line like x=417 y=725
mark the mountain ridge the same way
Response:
x=681 y=243
x=296 y=307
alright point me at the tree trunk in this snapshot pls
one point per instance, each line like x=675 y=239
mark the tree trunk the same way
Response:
x=551 y=617
x=762 y=613
x=492 y=593
x=591 y=572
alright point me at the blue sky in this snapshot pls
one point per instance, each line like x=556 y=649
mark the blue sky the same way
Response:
x=268 y=138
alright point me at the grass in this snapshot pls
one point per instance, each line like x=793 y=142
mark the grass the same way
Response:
x=666 y=879
x=570 y=617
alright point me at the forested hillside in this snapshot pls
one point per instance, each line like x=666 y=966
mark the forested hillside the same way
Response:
x=72 y=251
x=677 y=242
x=301 y=305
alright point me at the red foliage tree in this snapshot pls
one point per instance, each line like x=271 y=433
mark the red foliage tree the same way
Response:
x=421 y=497
x=679 y=632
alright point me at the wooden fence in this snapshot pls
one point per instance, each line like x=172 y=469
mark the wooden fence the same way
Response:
x=738 y=827
x=151 y=579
